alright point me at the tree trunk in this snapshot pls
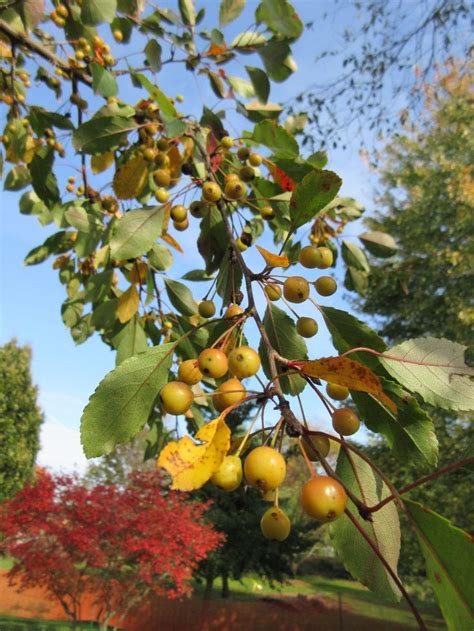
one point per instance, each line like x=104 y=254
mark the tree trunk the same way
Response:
x=208 y=588
x=225 y=586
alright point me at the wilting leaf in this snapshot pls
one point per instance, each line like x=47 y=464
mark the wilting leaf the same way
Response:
x=273 y=260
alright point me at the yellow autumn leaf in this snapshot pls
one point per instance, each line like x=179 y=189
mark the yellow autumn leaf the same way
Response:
x=102 y=161
x=128 y=304
x=190 y=464
x=175 y=163
x=31 y=146
x=130 y=178
x=5 y=47
x=188 y=145
x=101 y=256
x=346 y=372
x=273 y=260
x=167 y=238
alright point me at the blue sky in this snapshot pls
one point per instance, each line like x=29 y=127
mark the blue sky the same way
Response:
x=30 y=297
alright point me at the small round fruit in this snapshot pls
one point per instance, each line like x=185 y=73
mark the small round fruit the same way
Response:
x=243 y=153
x=241 y=245
x=213 y=363
x=235 y=189
x=162 y=160
x=62 y=11
x=176 y=397
x=296 y=289
x=179 y=98
x=181 y=226
x=337 y=392
x=189 y=372
x=118 y=35
x=179 y=213
x=228 y=393
x=267 y=212
x=306 y=327
x=322 y=444
x=244 y=362
x=247 y=174
x=211 y=191
x=229 y=475
x=232 y=311
x=275 y=524
x=309 y=257
x=265 y=468
x=323 y=498
x=149 y=154
x=161 y=177
x=162 y=195
x=273 y=291
x=198 y=210
x=231 y=177
x=345 y=421
x=163 y=144
x=227 y=142
x=325 y=258
x=325 y=286
x=206 y=308
x=255 y=159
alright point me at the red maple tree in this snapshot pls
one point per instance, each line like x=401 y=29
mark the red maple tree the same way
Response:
x=116 y=544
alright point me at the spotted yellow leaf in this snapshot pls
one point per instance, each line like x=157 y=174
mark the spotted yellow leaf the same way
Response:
x=128 y=304
x=102 y=161
x=346 y=372
x=191 y=464
x=130 y=178
x=273 y=260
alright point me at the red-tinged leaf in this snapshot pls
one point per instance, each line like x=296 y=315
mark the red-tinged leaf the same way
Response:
x=273 y=260
x=167 y=238
x=211 y=145
x=282 y=179
x=349 y=373
x=215 y=49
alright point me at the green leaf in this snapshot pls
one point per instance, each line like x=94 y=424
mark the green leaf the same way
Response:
x=276 y=58
x=102 y=134
x=77 y=217
x=130 y=341
x=312 y=195
x=260 y=82
x=17 y=178
x=135 y=232
x=280 y=17
x=153 y=55
x=103 y=81
x=410 y=432
x=173 y=125
x=241 y=86
x=230 y=10
x=123 y=400
x=435 y=369
x=160 y=257
x=43 y=179
x=384 y=529
x=71 y=312
x=449 y=557
x=96 y=11
x=276 y=138
x=379 y=243
x=355 y=280
x=213 y=240
x=187 y=11
x=40 y=119
x=354 y=256
x=248 y=39
x=229 y=279
x=55 y=244
x=285 y=340
x=180 y=297
x=98 y=286
x=104 y=315
x=349 y=332
x=197 y=275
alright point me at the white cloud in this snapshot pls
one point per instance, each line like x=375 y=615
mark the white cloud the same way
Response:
x=61 y=448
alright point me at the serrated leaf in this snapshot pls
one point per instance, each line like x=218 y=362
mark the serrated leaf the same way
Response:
x=102 y=134
x=273 y=260
x=130 y=178
x=347 y=372
x=96 y=11
x=435 y=369
x=312 y=195
x=280 y=17
x=230 y=10
x=260 y=82
x=103 y=81
x=449 y=557
x=160 y=257
x=40 y=119
x=77 y=217
x=135 y=232
x=130 y=341
x=128 y=304
x=102 y=161
x=285 y=340
x=379 y=244
x=190 y=464
x=123 y=401
x=180 y=297
x=276 y=138
x=384 y=529
x=153 y=55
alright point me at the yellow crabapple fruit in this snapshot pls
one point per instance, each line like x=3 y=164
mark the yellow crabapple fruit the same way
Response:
x=273 y=291
x=181 y=226
x=232 y=311
x=213 y=363
x=206 y=308
x=306 y=327
x=230 y=392
x=267 y=212
x=345 y=421
x=275 y=524
x=244 y=362
x=325 y=286
x=323 y=498
x=211 y=191
x=322 y=444
x=162 y=195
x=189 y=373
x=296 y=289
x=337 y=392
x=176 y=397
x=265 y=468
x=178 y=213
x=162 y=177
x=227 y=142
x=235 y=189
x=243 y=153
x=255 y=159
x=229 y=475
x=198 y=209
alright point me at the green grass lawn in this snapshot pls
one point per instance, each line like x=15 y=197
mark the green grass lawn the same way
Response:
x=5 y=564
x=7 y=623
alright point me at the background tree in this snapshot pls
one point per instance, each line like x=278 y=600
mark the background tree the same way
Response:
x=116 y=544
x=20 y=418
x=387 y=50
x=427 y=204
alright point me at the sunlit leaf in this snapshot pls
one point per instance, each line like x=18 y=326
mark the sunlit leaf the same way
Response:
x=130 y=178
x=273 y=260
x=128 y=304
x=134 y=233
x=102 y=161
